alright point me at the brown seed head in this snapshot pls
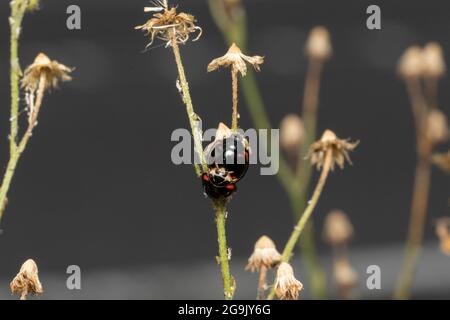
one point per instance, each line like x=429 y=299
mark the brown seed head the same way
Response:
x=265 y=254
x=442 y=160
x=52 y=71
x=345 y=276
x=339 y=148
x=167 y=24
x=437 y=127
x=318 y=45
x=433 y=59
x=292 y=133
x=27 y=280
x=338 y=229
x=411 y=63
x=237 y=60
x=287 y=287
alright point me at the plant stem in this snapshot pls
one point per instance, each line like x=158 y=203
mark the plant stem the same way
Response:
x=262 y=283
x=228 y=282
x=194 y=120
x=18 y=9
x=234 y=81
x=421 y=191
x=293 y=239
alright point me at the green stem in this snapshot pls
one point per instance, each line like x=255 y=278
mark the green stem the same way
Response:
x=194 y=119
x=220 y=207
x=302 y=222
x=18 y=8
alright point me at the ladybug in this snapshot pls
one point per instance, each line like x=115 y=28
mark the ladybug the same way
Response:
x=228 y=158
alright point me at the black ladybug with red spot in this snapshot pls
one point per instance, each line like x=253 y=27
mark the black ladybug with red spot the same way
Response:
x=228 y=161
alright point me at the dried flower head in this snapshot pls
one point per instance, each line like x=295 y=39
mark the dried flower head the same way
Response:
x=411 y=63
x=330 y=142
x=442 y=160
x=292 y=132
x=345 y=276
x=443 y=233
x=318 y=45
x=237 y=60
x=265 y=254
x=166 y=24
x=27 y=280
x=433 y=60
x=437 y=127
x=338 y=229
x=287 y=287
x=50 y=71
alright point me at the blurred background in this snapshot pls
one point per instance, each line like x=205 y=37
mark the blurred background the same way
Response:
x=96 y=186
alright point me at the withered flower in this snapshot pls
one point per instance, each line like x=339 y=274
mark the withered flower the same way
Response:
x=27 y=280
x=265 y=255
x=237 y=60
x=329 y=142
x=50 y=71
x=318 y=45
x=166 y=24
x=292 y=133
x=338 y=229
x=433 y=60
x=437 y=127
x=411 y=63
x=442 y=160
x=287 y=287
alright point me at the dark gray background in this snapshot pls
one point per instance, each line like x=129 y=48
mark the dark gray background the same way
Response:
x=96 y=186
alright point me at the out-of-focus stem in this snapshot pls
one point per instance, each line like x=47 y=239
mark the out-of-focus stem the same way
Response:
x=419 y=205
x=262 y=283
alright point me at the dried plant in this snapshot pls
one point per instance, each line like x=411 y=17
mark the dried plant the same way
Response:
x=443 y=233
x=27 y=280
x=420 y=69
x=38 y=78
x=265 y=256
x=286 y=286
x=323 y=154
x=442 y=160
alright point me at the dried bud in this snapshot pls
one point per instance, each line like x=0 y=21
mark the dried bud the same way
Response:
x=338 y=147
x=345 y=277
x=237 y=60
x=318 y=45
x=411 y=63
x=166 y=24
x=265 y=255
x=51 y=71
x=287 y=287
x=437 y=127
x=433 y=59
x=338 y=229
x=442 y=160
x=27 y=280
x=292 y=133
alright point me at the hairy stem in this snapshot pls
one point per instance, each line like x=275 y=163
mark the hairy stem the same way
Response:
x=302 y=222
x=194 y=119
x=220 y=207
x=234 y=81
